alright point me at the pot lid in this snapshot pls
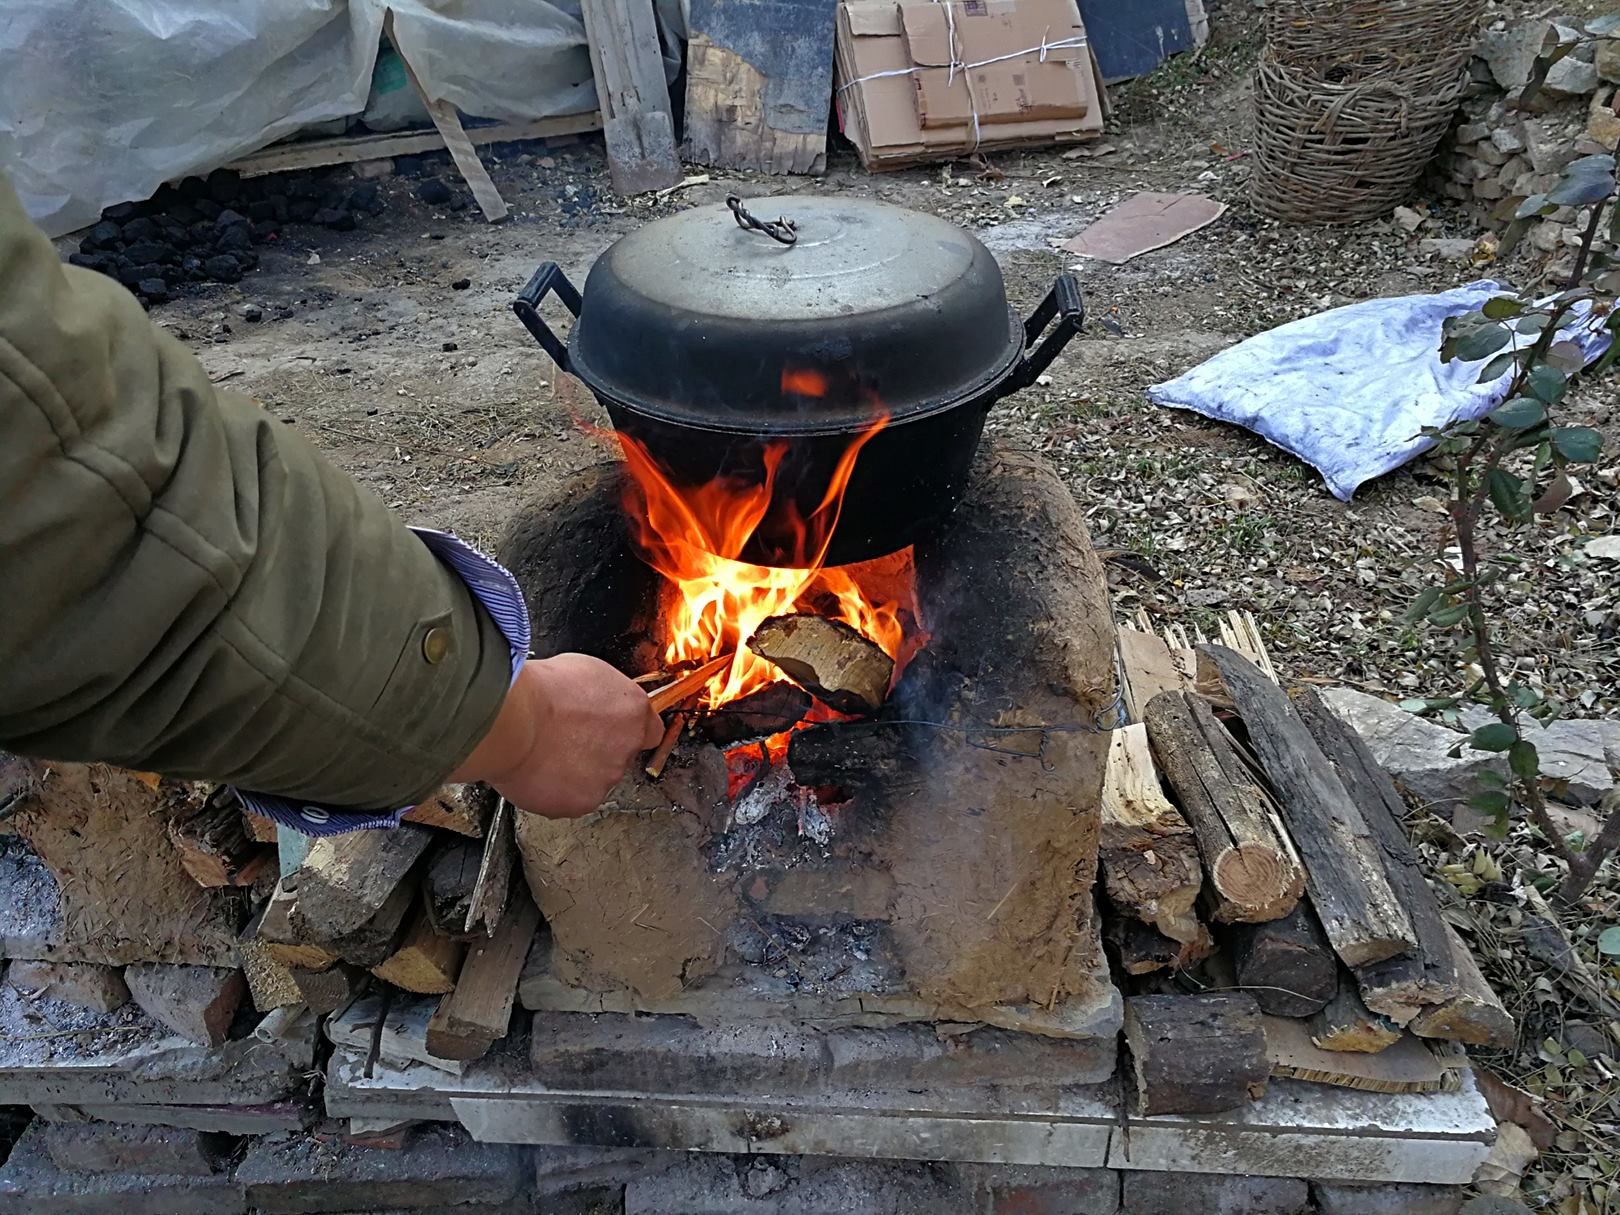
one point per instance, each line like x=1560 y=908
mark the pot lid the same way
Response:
x=873 y=309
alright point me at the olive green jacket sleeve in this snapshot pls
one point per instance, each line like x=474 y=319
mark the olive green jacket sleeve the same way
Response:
x=187 y=587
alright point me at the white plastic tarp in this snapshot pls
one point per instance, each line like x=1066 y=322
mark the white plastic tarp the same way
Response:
x=102 y=101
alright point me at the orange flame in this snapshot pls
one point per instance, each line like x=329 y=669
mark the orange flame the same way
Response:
x=714 y=602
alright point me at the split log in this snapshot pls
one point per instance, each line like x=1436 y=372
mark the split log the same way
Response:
x=1347 y=1024
x=463 y=809
x=426 y=963
x=270 y=982
x=371 y=943
x=1148 y=668
x=1287 y=965
x=494 y=883
x=327 y=991
x=856 y=758
x=260 y=829
x=479 y=1011
x=1344 y=869
x=280 y=941
x=1474 y=1016
x=212 y=839
x=1255 y=874
x=1400 y=987
x=346 y=880
x=1147 y=852
x=771 y=710
x=448 y=884
x=829 y=659
x=1196 y=1054
x=1143 y=949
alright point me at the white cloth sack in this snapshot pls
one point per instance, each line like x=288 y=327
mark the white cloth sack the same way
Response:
x=1349 y=390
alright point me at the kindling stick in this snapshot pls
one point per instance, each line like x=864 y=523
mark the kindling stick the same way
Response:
x=671 y=695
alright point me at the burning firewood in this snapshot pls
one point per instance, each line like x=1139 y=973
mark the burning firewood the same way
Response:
x=827 y=658
x=771 y=710
x=671 y=695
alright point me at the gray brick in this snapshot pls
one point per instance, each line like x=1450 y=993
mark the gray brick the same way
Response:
x=566 y=1170
x=1016 y=1189
x=1210 y=1194
x=797 y=1185
x=1341 y=1198
x=144 y=1151
x=31 y=1184
x=299 y=1175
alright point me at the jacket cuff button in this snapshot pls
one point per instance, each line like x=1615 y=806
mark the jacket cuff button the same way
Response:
x=436 y=645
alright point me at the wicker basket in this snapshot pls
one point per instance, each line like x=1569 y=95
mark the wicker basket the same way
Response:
x=1351 y=98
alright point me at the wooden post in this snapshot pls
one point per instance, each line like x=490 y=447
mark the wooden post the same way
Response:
x=1255 y=873
x=1148 y=854
x=1400 y=987
x=1344 y=869
x=1196 y=1054
x=637 y=121
x=1287 y=965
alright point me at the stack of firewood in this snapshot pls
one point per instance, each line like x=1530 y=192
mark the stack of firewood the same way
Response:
x=1262 y=897
x=430 y=908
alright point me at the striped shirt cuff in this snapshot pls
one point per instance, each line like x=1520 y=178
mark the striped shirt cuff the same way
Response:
x=498 y=592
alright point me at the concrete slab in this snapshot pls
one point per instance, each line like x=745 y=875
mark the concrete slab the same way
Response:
x=31 y=1184
x=1331 y=1134
x=722 y=1185
x=1182 y=1193
x=224 y=1119
x=300 y=1175
x=146 y=1151
x=54 y=1053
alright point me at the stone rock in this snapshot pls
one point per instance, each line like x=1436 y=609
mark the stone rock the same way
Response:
x=1473 y=132
x=81 y=984
x=1489 y=189
x=32 y=1184
x=1211 y=1194
x=1546 y=237
x=1343 y=1198
x=196 y=1002
x=1507 y=141
x=1412 y=750
x=1407 y=219
x=1602 y=122
x=147 y=1151
x=1570 y=77
x=444 y=1169
x=1450 y=248
x=1487 y=153
x=1548 y=144
x=1515 y=168
x=1511 y=53
x=1607 y=60
x=1574 y=753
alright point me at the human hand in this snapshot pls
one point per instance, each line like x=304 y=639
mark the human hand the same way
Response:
x=568 y=730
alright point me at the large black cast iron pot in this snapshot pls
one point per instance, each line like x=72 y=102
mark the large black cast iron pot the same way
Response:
x=706 y=339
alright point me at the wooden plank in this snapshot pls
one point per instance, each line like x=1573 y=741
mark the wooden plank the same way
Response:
x=1148 y=853
x=759 y=84
x=346 y=879
x=1147 y=668
x=1255 y=874
x=479 y=1011
x=448 y=122
x=426 y=962
x=637 y=121
x=1344 y=869
x=1287 y=965
x=352 y=149
x=1196 y=1054
x=1347 y=1024
x=463 y=809
x=1399 y=987
x=490 y=891
x=1476 y=1015
x=1410 y=1066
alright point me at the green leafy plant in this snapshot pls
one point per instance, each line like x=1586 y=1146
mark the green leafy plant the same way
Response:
x=1515 y=463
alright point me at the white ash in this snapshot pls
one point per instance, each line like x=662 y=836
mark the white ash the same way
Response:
x=813 y=821
x=769 y=793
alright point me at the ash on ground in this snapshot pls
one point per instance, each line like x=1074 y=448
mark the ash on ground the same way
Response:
x=814 y=957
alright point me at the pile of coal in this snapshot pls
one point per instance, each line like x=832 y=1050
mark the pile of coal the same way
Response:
x=205 y=230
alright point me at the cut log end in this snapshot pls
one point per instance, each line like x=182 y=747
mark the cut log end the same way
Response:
x=1255 y=883
x=829 y=659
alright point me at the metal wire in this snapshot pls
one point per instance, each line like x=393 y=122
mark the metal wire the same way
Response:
x=781 y=229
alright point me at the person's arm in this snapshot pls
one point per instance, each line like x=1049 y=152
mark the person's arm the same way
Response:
x=186 y=586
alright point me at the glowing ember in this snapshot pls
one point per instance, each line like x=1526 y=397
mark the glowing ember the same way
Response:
x=693 y=535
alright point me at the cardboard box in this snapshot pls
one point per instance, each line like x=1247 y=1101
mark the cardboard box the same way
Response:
x=924 y=80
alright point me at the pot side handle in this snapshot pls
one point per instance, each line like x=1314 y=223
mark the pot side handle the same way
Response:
x=549 y=278
x=1063 y=304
